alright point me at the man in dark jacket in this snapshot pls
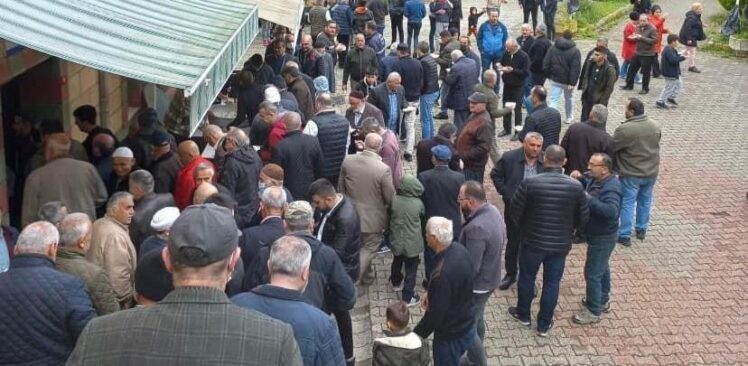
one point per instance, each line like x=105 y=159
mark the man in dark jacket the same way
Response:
x=530 y=7
x=43 y=310
x=379 y=10
x=146 y=204
x=278 y=57
x=543 y=120
x=469 y=53
x=307 y=57
x=300 y=90
x=597 y=80
x=397 y=9
x=610 y=55
x=411 y=72
x=429 y=90
x=604 y=192
x=473 y=143
x=549 y=8
x=449 y=303
x=441 y=188
x=166 y=163
x=447 y=44
x=461 y=79
x=691 y=33
x=331 y=130
x=514 y=167
x=358 y=60
x=550 y=194
x=325 y=66
x=85 y=119
x=389 y=97
x=562 y=65
x=251 y=94
x=515 y=67
x=300 y=156
x=645 y=37
x=581 y=140
x=537 y=53
x=241 y=170
x=262 y=72
x=445 y=136
x=282 y=299
x=273 y=201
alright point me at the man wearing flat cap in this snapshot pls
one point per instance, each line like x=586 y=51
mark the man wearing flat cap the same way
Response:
x=195 y=324
x=474 y=142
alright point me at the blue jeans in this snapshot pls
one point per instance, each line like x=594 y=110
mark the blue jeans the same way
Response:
x=597 y=271
x=427 y=120
x=477 y=353
x=448 y=352
x=625 y=70
x=488 y=61
x=637 y=192
x=559 y=91
x=443 y=93
x=553 y=269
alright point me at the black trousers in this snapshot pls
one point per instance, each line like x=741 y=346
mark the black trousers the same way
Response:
x=432 y=32
x=656 y=67
x=512 y=94
x=549 y=17
x=645 y=64
x=586 y=109
x=396 y=274
x=511 y=255
x=345 y=328
x=414 y=29
x=396 y=23
x=530 y=10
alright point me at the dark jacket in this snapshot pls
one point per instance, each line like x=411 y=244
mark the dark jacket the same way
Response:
x=379 y=10
x=671 y=62
x=509 y=172
x=325 y=67
x=645 y=45
x=441 y=18
x=430 y=74
x=580 y=141
x=484 y=236
x=605 y=205
x=563 y=61
x=451 y=310
x=612 y=60
x=461 y=80
x=276 y=62
x=386 y=66
x=441 y=186
x=525 y=43
x=411 y=72
x=332 y=134
x=248 y=103
x=316 y=334
x=342 y=232
x=251 y=242
x=692 y=30
x=97 y=283
x=597 y=83
x=642 y=6
x=415 y=11
x=401 y=348
x=145 y=208
x=548 y=208
x=545 y=121
x=42 y=312
x=370 y=110
x=407 y=214
x=520 y=63
x=304 y=97
x=445 y=56
x=301 y=158
x=474 y=141
x=357 y=62
x=423 y=154
x=88 y=141
x=537 y=53
x=151 y=243
x=263 y=74
x=361 y=16
x=380 y=98
x=637 y=148
x=165 y=170
x=473 y=56
x=241 y=172
x=342 y=14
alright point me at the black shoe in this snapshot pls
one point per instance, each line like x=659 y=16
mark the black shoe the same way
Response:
x=514 y=137
x=641 y=234
x=504 y=134
x=626 y=242
x=643 y=92
x=513 y=313
x=544 y=332
x=656 y=76
x=694 y=70
x=579 y=239
x=441 y=116
x=350 y=362
x=408 y=157
x=626 y=87
x=661 y=105
x=507 y=282
x=672 y=101
x=425 y=285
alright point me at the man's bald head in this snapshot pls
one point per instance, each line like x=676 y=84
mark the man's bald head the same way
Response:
x=57 y=146
x=489 y=77
x=373 y=142
x=102 y=145
x=293 y=121
x=187 y=151
x=202 y=192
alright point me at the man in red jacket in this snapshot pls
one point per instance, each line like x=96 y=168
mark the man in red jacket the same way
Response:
x=189 y=155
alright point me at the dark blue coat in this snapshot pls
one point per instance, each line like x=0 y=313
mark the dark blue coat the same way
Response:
x=252 y=241
x=671 y=62
x=545 y=121
x=415 y=11
x=461 y=80
x=605 y=205
x=42 y=312
x=315 y=332
x=411 y=73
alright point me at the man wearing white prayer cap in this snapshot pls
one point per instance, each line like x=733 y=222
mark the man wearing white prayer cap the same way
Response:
x=161 y=224
x=123 y=162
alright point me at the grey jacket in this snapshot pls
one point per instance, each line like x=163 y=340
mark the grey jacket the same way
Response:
x=190 y=326
x=484 y=236
x=637 y=148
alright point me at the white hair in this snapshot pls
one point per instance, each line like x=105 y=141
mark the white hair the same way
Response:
x=456 y=55
x=238 y=136
x=274 y=197
x=289 y=256
x=394 y=75
x=441 y=229
x=74 y=228
x=37 y=237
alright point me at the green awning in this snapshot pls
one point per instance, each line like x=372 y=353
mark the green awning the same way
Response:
x=192 y=45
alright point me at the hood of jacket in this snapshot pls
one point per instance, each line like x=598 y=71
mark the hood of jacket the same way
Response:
x=410 y=186
x=244 y=154
x=564 y=44
x=692 y=14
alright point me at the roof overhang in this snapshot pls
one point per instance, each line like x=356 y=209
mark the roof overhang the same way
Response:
x=287 y=13
x=192 y=45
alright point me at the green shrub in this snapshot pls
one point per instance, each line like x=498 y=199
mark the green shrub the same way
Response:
x=729 y=4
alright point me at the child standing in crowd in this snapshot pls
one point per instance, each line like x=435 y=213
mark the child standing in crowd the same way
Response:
x=473 y=20
x=671 y=71
x=406 y=238
x=400 y=346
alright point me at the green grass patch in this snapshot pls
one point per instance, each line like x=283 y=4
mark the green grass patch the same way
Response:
x=716 y=43
x=592 y=11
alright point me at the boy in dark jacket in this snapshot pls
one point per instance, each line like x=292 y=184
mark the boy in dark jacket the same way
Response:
x=671 y=60
x=400 y=346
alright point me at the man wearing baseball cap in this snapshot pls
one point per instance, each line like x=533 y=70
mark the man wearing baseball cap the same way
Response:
x=196 y=323
x=474 y=141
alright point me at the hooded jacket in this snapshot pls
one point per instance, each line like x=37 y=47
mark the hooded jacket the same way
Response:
x=406 y=218
x=692 y=30
x=492 y=39
x=241 y=172
x=563 y=62
x=400 y=348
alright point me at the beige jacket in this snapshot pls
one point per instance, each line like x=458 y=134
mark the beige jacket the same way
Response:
x=368 y=182
x=112 y=249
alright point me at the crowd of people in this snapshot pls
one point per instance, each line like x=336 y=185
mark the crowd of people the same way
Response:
x=250 y=245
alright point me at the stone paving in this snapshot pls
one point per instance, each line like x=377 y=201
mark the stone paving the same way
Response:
x=679 y=297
